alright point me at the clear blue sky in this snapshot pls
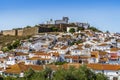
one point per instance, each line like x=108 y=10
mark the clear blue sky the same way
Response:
x=103 y=14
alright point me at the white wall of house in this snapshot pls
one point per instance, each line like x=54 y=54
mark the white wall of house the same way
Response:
x=76 y=52
x=69 y=60
x=22 y=50
x=30 y=62
x=62 y=51
x=31 y=55
x=21 y=57
x=54 y=59
x=2 y=65
x=10 y=62
x=2 y=55
x=118 y=44
x=93 y=60
x=102 y=48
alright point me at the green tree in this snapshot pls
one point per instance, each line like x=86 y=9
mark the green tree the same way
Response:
x=84 y=73
x=48 y=73
x=5 y=49
x=9 y=78
x=72 y=30
x=81 y=28
x=59 y=74
x=101 y=76
x=16 y=44
x=60 y=63
x=28 y=27
x=70 y=74
x=9 y=46
x=54 y=29
x=107 y=32
x=94 y=29
x=29 y=74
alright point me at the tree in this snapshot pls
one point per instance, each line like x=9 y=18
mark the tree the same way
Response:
x=48 y=73
x=70 y=74
x=94 y=29
x=54 y=29
x=81 y=28
x=101 y=76
x=16 y=44
x=5 y=49
x=9 y=46
x=29 y=74
x=82 y=73
x=9 y=78
x=60 y=63
x=28 y=27
x=59 y=74
x=85 y=73
x=107 y=32
x=72 y=30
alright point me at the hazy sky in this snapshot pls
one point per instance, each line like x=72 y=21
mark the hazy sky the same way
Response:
x=103 y=14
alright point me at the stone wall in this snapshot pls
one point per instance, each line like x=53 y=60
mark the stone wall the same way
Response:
x=9 y=32
x=30 y=31
x=20 y=32
x=23 y=32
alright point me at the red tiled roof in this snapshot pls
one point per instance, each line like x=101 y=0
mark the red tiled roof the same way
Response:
x=114 y=49
x=104 y=66
x=95 y=66
x=38 y=58
x=18 y=68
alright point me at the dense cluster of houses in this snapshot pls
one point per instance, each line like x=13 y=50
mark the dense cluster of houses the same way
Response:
x=99 y=51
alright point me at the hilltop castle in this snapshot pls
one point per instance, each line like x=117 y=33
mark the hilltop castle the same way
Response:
x=61 y=25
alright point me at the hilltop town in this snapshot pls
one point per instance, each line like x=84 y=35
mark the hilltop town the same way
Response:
x=60 y=43
x=49 y=26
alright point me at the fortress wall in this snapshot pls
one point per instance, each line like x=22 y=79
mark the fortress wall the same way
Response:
x=30 y=31
x=20 y=32
x=9 y=32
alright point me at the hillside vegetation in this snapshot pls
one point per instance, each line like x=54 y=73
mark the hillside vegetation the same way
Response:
x=5 y=40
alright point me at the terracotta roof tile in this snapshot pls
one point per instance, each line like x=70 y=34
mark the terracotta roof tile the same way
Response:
x=114 y=49
x=104 y=66
x=103 y=44
x=18 y=68
x=95 y=66
x=20 y=54
x=102 y=53
x=38 y=58
x=64 y=47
